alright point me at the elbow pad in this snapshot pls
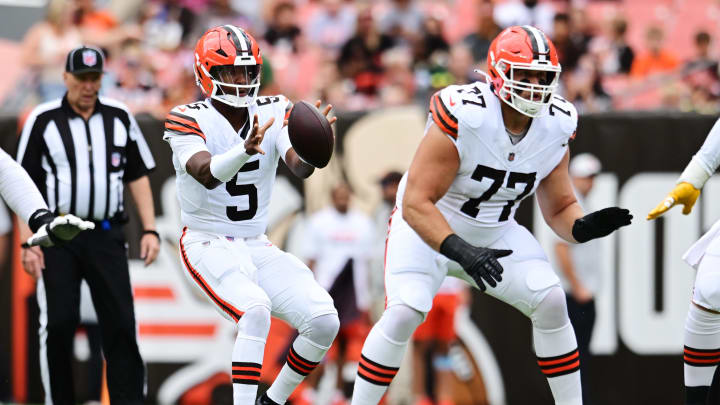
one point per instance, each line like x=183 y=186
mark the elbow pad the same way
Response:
x=225 y=165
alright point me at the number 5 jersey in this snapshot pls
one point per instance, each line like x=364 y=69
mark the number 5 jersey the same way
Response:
x=239 y=207
x=494 y=174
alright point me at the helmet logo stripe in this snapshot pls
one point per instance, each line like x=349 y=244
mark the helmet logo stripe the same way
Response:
x=539 y=42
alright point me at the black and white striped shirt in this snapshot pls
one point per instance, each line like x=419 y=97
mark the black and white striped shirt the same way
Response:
x=80 y=166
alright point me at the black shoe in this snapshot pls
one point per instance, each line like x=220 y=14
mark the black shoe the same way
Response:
x=265 y=400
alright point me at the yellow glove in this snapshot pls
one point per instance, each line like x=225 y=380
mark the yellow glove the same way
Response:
x=684 y=193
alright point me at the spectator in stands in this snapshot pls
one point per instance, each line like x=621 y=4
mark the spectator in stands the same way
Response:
x=403 y=20
x=655 y=59
x=93 y=19
x=569 y=47
x=398 y=83
x=161 y=25
x=616 y=55
x=46 y=45
x=703 y=60
x=220 y=12
x=282 y=31
x=332 y=25
x=584 y=86
x=100 y=27
x=526 y=12
x=134 y=82
x=461 y=64
x=485 y=31
x=431 y=40
x=360 y=57
x=702 y=77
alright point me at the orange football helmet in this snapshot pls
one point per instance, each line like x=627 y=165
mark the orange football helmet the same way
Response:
x=518 y=48
x=228 y=65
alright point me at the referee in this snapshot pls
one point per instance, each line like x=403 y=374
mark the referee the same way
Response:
x=79 y=150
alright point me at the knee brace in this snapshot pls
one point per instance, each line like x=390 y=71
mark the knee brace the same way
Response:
x=707 y=288
x=255 y=322
x=551 y=312
x=321 y=330
x=398 y=322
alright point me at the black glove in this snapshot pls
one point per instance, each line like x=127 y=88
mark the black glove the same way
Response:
x=600 y=223
x=479 y=262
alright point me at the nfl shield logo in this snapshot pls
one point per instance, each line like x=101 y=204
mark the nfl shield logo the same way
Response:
x=511 y=156
x=115 y=159
x=89 y=58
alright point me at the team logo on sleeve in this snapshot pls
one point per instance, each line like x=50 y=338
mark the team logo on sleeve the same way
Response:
x=115 y=159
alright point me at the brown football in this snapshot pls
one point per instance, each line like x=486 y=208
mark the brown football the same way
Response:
x=310 y=134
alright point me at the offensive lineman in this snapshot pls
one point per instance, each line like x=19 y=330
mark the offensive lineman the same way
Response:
x=702 y=326
x=225 y=152
x=23 y=197
x=486 y=147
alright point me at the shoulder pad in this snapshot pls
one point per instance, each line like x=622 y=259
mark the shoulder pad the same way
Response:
x=566 y=115
x=443 y=110
x=181 y=121
x=455 y=104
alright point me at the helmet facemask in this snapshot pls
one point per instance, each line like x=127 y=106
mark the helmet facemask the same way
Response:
x=537 y=96
x=235 y=85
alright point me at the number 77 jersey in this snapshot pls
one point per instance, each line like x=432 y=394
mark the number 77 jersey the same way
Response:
x=494 y=175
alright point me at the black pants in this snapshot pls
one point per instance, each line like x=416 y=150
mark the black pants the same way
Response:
x=99 y=257
x=582 y=317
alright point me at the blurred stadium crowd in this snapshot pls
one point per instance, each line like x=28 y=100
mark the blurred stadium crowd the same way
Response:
x=616 y=55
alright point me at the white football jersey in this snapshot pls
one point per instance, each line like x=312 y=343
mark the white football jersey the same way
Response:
x=240 y=206
x=494 y=175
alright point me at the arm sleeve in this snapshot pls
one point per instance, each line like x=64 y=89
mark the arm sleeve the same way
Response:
x=18 y=189
x=709 y=154
x=139 y=158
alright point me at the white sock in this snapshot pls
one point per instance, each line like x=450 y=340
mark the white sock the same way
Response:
x=248 y=353
x=558 y=358
x=246 y=365
x=302 y=359
x=702 y=346
x=379 y=362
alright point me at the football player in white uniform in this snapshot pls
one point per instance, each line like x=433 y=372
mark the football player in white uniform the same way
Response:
x=486 y=147
x=702 y=326
x=23 y=197
x=225 y=152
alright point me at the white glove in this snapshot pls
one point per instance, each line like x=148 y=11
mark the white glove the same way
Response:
x=62 y=228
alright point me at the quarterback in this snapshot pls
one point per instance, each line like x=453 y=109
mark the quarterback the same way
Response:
x=225 y=152
x=487 y=146
x=702 y=326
